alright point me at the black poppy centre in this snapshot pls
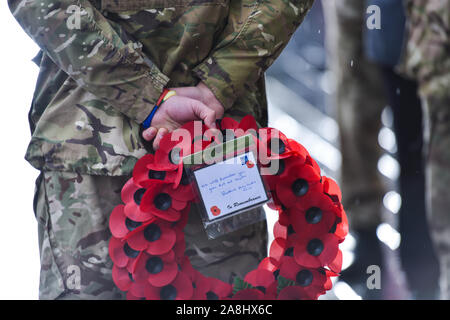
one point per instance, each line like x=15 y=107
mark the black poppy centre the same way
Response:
x=154 y=265
x=138 y=194
x=156 y=175
x=277 y=146
x=130 y=252
x=131 y=224
x=313 y=215
x=162 y=201
x=315 y=247
x=300 y=187
x=168 y=292
x=211 y=296
x=304 y=278
x=152 y=232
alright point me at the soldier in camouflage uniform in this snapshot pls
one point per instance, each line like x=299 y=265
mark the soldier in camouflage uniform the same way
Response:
x=359 y=100
x=103 y=65
x=428 y=60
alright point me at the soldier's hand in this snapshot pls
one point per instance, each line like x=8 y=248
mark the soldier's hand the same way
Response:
x=173 y=113
x=202 y=93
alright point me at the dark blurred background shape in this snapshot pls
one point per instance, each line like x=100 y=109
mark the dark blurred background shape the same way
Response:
x=335 y=89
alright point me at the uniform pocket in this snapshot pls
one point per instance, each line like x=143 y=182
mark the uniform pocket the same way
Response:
x=136 y=5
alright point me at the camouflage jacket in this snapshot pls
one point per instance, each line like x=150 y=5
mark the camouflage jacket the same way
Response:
x=104 y=63
x=428 y=47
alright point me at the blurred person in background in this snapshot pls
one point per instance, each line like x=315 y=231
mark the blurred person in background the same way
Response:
x=359 y=101
x=385 y=47
x=428 y=61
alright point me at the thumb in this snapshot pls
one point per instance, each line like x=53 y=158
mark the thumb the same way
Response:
x=204 y=113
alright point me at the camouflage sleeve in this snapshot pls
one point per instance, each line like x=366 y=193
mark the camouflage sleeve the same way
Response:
x=427 y=55
x=256 y=33
x=93 y=51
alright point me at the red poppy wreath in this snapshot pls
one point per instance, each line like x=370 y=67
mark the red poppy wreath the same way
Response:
x=147 y=244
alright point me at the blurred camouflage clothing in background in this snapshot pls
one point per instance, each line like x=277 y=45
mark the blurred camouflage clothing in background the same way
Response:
x=359 y=101
x=428 y=60
x=103 y=66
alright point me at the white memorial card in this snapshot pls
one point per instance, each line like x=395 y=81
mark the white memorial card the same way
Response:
x=231 y=186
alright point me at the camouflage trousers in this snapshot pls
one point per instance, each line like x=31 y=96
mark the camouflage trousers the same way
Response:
x=437 y=141
x=73 y=211
x=359 y=102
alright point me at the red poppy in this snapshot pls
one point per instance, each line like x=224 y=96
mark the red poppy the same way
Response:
x=119 y=224
x=181 y=142
x=297 y=149
x=183 y=190
x=132 y=196
x=274 y=203
x=280 y=231
x=342 y=226
x=228 y=123
x=336 y=265
x=131 y=296
x=276 y=170
x=160 y=201
x=186 y=267
x=315 y=213
x=156 y=238
x=275 y=141
x=208 y=288
x=147 y=172
x=158 y=270
x=263 y=280
x=313 y=251
x=181 y=223
x=331 y=188
x=293 y=293
x=277 y=249
x=269 y=264
x=249 y=294
x=247 y=125
x=310 y=161
x=179 y=289
x=125 y=282
x=180 y=246
x=312 y=281
x=122 y=254
x=299 y=182
x=215 y=210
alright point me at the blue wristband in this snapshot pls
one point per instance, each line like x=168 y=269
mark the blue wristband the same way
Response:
x=148 y=121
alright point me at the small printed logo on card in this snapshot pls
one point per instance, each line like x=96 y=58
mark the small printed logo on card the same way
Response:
x=215 y=210
x=247 y=162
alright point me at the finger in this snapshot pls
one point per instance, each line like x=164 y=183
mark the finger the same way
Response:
x=204 y=113
x=149 y=133
x=161 y=133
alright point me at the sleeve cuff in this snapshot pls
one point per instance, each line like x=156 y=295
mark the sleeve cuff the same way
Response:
x=152 y=85
x=218 y=80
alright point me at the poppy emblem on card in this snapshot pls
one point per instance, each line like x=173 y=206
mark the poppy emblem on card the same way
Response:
x=247 y=162
x=215 y=210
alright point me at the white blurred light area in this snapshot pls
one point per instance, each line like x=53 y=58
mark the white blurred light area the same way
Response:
x=344 y=292
x=389 y=236
x=19 y=267
x=392 y=201
x=386 y=139
x=389 y=167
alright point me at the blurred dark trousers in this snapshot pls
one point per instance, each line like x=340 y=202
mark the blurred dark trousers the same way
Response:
x=416 y=250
